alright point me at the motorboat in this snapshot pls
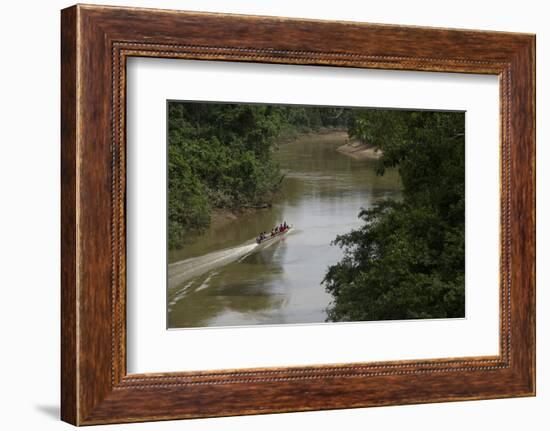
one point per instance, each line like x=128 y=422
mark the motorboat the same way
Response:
x=269 y=237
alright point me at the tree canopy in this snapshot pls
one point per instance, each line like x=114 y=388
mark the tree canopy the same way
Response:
x=407 y=260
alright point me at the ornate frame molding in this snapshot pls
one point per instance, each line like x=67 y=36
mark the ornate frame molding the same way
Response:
x=96 y=41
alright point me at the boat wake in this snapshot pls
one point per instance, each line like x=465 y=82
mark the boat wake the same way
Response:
x=184 y=270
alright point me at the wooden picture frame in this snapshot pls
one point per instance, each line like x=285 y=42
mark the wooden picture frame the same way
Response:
x=95 y=43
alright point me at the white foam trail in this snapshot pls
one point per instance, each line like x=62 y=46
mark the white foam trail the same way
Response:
x=179 y=272
x=180 y=294
x=206 y=282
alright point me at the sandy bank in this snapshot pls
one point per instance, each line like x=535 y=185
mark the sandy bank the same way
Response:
x=350 y=147
x=359 y=151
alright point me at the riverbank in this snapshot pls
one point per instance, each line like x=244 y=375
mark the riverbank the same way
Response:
x=221 y=216
x=350 y=147
x=332 y=133
x=359 y=151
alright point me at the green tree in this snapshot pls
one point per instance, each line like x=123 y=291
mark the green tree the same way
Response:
x=407 y=260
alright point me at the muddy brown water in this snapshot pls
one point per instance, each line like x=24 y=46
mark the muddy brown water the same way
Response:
x=224 y=279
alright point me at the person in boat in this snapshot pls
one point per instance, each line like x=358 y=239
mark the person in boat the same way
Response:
x=283 y=227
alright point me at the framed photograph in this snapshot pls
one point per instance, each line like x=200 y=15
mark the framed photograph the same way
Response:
x=265 y=215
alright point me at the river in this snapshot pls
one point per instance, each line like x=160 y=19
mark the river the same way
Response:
x=224 y=279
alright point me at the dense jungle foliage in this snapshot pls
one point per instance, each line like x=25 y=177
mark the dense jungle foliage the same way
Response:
x=407 y=260
x=220 y=157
